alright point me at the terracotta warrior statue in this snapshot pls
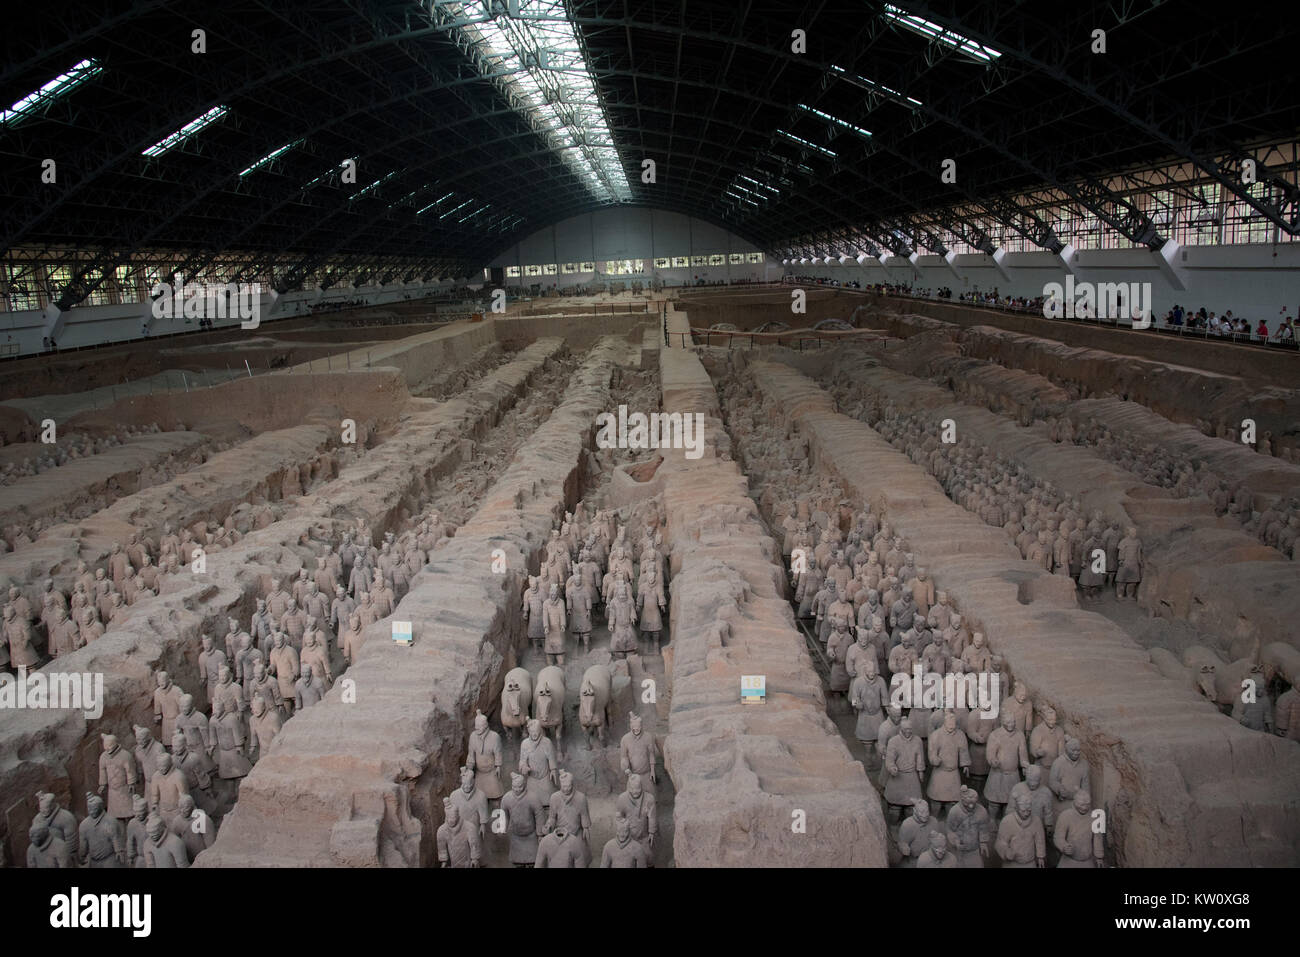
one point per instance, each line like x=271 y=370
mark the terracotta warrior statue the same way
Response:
x=163 y=848
x=194 y=827
x=525 y=821
x=622 y=850
x=1074 y=837
x=949 y=755
x=61 y=824
x=637 y=806
x=1021 y=841
x=1129 y=573
x=264 y=724
x=560 y=848
x=554 y=622
x=568 y=812
x=307 y=690
x=577 y=598
x=227 y=739
x=969 y=830
x=1069 y=775
x=532 y=612
x=458 y=840
x=165 y=789
x=621 y=615
x=869 y=697
x=1047 y=741
x=148 y=752
x=102 y=836
x=283 y=664
x=211 y=660
x=1041 y=802
x=914 y=833
x=938 y=854
x=43 y=850
x=1007 y=757
x=117 y=777
x=485 y=758
x=651 y=603
x=904 y=765
x=537 y=763
x=637 y=751
x=136 y=834
x=471 y=803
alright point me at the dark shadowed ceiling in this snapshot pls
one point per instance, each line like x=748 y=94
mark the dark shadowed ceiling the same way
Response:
x=844 y=139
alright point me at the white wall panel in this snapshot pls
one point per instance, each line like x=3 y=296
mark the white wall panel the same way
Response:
x=572 y=241
x=623 y=232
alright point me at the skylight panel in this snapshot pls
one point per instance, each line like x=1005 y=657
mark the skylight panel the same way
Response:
x=745 y=189
x=812 y=146
x=770 y=189
x=270 y=156
x=948 y=38
x=366 y=189
x=403 y=199
x=342 y=165
x=836 y=120
x=61 y=85
x=866 y=84
x=434 y=203
x=742 y=199
x=536 y=59
x=194 y=126
x=473 y=214
x=450 y=211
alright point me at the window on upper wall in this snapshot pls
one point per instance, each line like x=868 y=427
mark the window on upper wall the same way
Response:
x=21 y=291
x=22 y=296
x=550 y=269
x=755 y=257
x=699 y=260
x=1242 y=225
x=55 y=281
x=512 y=271
x=102 y=295
x=661 y=263
x=126 y=283
x=532 y=270
x=717 y=260
x=568 y=268
x=736 y=259
x=680 y=261
x=588 y=267
x=153 y=275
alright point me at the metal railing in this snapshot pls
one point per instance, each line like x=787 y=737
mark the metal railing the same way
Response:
x=793 y=339
x=607 y=309
x=1274 y=341
x=8 y=351
x=132 y=340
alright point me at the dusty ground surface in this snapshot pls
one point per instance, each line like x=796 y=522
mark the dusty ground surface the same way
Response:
x=495 y=427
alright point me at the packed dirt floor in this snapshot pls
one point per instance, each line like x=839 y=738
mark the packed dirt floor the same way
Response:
x=362 y=592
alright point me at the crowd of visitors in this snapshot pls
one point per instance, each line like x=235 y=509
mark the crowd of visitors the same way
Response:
x=1179 y=318
x=1228 y=325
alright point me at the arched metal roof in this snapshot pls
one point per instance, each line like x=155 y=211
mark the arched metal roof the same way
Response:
x=474 y=124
